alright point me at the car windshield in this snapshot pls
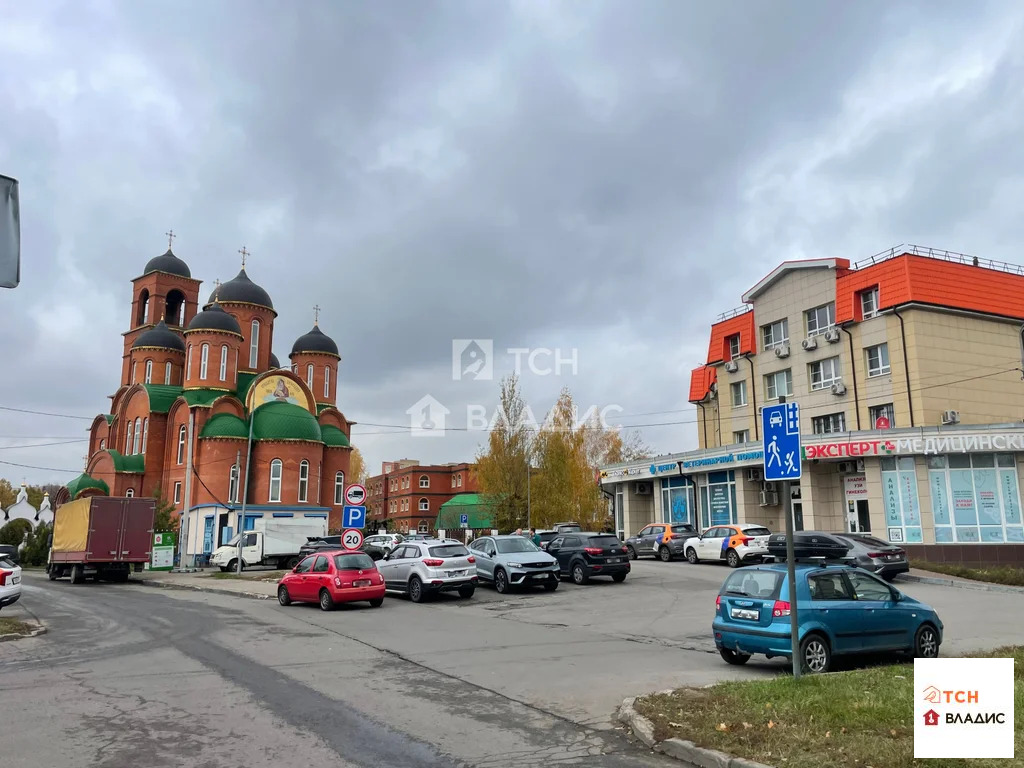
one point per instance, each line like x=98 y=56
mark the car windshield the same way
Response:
x=753 y=583
x=449 y=550
x=353 y=562
x=6 y=562
x=682 y=529
x=869 y=541
x=603 y=541
x=233 y=542
x=571 y=528
x=517 y=544
x=755 y=531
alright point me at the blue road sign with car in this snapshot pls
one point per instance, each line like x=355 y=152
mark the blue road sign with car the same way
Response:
x=353 y=517
x=780 y=425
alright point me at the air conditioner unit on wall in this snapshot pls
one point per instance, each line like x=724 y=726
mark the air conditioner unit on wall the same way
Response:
x=832 y=335
x=839 y=388
x=768 y=499
x=754 y=475
x=951 y=417
x=847 y=467
x=768 y=487
x=809 y=343
x=782 y=351
x=732 y=366
x=642 y=489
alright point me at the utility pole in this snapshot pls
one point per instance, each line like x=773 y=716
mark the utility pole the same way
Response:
x=183 y=527
x=245 y=494
x=794 y=623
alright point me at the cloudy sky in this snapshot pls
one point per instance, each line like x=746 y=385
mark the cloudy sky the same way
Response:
x=605 y=177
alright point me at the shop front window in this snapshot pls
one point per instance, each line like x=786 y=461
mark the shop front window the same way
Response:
x=676 y=500
x=975 y=498
x=902 y=507
x=718 y=499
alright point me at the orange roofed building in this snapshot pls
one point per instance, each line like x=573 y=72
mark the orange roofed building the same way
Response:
x=907 y=368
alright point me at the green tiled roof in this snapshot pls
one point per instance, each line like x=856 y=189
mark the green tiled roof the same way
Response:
x=226 y=425
x=109 y=417
x=136 y=463
x=202 y=397
x=284 y=421
x=472 y=504
x=84 y=481
x=245 y=381
x=321 y=407
x=333 y=436
x=161 y=397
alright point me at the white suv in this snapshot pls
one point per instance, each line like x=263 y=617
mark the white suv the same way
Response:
x=10 y=582
x=386 y=541
x=424 y=568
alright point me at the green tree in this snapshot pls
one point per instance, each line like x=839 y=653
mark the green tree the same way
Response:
x=8 y=495
x=37 y=545
x=165 y=519
x=14 y=532
x=502 y=468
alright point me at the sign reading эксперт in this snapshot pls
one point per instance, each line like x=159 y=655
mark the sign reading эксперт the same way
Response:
x=963 y=708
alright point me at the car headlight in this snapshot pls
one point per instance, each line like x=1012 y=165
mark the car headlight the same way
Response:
x=515 y=565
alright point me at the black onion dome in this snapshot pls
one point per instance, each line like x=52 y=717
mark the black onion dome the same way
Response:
x=315 y=341
x=160 y=336
x=214 y=318
x=274 y=362
x=169 y=263
x=242 y=289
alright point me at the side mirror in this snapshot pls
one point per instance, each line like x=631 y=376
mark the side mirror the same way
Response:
x=896 y=596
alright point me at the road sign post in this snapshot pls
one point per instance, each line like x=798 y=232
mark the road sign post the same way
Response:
x=352 y=539
x=353 y=516
x=464 y=521
x=780 y=425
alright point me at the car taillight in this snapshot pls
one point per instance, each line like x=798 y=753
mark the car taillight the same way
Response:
x=718 y=602
x=433 y=563
x=3 y=577
x=876 y=554
x=593 y=550
x=745 y=540
x=470 y=559
x=781 y=608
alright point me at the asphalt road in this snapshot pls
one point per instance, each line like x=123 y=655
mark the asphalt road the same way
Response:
x=134 y=675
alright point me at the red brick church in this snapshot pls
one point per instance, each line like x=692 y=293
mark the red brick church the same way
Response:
x=216 y=363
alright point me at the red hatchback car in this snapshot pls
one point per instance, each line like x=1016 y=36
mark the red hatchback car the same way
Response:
x=328 y=578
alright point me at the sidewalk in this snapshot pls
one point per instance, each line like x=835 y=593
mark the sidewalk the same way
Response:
x=916 y=575
x=252 y=583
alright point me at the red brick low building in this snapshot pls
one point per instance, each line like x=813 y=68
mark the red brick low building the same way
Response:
x=407 y=495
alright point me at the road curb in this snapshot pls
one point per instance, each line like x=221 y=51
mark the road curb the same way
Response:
x=198 y=588
x=980 y=586
x=686 y=752
x=40 y=630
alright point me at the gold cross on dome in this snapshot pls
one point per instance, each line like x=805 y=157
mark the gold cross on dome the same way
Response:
x=170 y=238
x=316 y=314
x=216 y=289
x=245 y=254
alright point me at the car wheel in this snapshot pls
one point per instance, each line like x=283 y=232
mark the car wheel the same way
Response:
x=926 y=642
x=77 y=574
x=579 y=576
x=292 y=562
x=815 y=655
x=691 y=555
x=377 y=602
x=467 y=592
x=326 y=603
x=52 y=573
x=734 y=657
x=282 y=595
x=500 y=581
x=889 y=577
x=665 y=554
x=416 y=589
x=618 y=578
x=232 y=566
x=632 y=553
x=732 y=557
x=551 y=586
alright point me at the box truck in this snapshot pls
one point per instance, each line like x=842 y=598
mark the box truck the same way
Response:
x=106 y=537
x=274 y=542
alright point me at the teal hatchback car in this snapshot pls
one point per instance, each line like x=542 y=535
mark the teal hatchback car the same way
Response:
x=842 y=610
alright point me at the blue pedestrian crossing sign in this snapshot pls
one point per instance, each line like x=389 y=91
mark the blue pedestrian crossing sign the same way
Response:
x=353 y=517
x=780 y=425
x=464 y=521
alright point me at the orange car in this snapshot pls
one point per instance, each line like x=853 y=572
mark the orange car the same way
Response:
x=661 y=540
x=735 y=544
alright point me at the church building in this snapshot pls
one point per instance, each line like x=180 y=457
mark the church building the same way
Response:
x=215 y=363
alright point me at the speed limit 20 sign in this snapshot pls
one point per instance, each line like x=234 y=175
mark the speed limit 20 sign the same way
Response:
x=352 y=539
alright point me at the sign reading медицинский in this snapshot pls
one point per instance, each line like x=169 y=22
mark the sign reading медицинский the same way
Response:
x=984 y=442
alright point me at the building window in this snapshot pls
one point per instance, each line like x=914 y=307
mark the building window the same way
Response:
x=254 y=344
x=276 y=467
x=130 y=493
x=820 y=319
x=829 y=423
x=204 y=359
x=135 y=372
x=424 y=505
x=459 y=483
x=778 y=384
x=869 y=302
x=145 y=433
x=899 y=496
x=878 y=360
x=138 y=436
x=775 y=334
x=734 y=346
x=882 y=416
x=181 y=444
x=974 y=497
x=188 y=363
x=224 y=362
x=743 y=436
x=718 y=499
x=739 y=393
x=149 y=372
x=303 y=481
x=424 y=526
x=824 y=373
x=424 y=481
x=309 y=375
x=453 y=481
x=233 y=485
x=327 y=381
x=295 y=368
x=103 y=444
x=677 y=500
x=167 y=372
x=339 y=487
x=128 y=441
x=177 y=493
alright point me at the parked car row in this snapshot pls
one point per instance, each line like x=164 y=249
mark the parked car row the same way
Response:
x=10 y=581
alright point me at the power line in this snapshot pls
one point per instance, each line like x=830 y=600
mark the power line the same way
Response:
x=40 y=445
x=45 y=413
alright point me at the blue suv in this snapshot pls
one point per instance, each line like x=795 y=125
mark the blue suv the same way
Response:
x=842 y=610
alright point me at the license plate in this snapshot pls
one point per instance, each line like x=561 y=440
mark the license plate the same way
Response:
x=456 y=573
x=614 y=559
x=362 y=583
x=16 y=580
x=744 y=613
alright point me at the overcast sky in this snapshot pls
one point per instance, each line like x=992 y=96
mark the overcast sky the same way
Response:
x=602 y=176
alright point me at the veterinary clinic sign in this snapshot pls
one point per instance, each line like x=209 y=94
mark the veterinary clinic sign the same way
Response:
x=983 y=442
